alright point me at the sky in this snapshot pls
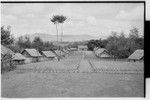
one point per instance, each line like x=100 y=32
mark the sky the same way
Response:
x=95 y=19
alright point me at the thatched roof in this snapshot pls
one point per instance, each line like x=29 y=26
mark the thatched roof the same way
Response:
x=5 y=50
x=59 y=52
x=100 y=50
x=48 y=53
x=18 y=56
x=33 y=52
x=66 y=51
x=137 y=55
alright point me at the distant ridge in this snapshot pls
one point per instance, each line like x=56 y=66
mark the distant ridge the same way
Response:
x=66 y=38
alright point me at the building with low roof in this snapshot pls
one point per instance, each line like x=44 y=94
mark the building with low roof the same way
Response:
x=137 y=55
x=32 y=54
x=102 y=53
x=82 y=47
x=48 y=55
x=18 y=58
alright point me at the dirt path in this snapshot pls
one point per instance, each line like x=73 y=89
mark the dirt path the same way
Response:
x=84 y=66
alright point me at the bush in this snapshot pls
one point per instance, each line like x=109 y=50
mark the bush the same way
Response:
x=6 y=64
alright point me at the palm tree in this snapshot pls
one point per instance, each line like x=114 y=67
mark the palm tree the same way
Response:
x=62 y=20
x=55 y=20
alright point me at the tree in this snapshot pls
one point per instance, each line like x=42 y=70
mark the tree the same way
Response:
x=6 y=37
x=59 y=19
x=24 y=42
x=134 y=33
x=62 y=20
x=38 y=43
x=55 y=20
x=48 y=46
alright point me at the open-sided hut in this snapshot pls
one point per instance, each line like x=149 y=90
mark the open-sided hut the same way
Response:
x=102 y=53
x=18 y=58
x=137 y=55
x=33 y=55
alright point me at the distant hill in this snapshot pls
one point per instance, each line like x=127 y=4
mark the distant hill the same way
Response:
x=66 y=38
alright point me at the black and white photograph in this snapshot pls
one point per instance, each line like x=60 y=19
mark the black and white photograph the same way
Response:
x=72 y=49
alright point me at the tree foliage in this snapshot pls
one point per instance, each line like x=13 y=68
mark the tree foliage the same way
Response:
x=119 y=45
x=122 y=47
x=6 y=37
x=37 y=43
x=58 y=19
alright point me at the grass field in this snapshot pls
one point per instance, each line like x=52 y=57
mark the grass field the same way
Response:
x=90 y=77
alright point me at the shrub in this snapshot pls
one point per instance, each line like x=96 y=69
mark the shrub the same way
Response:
x=6 y=64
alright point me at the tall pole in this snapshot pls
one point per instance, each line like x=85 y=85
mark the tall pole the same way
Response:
x=61 y=32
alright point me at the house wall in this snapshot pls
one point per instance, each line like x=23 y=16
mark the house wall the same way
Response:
x=46 y=58
x=43 y=59
x=18 y=62
x=104 y=55
x=28 y=60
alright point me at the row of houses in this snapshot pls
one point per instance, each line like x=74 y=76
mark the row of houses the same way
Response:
x=33 y=55
x=103 y=53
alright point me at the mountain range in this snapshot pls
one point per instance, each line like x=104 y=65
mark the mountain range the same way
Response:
x=66 y=38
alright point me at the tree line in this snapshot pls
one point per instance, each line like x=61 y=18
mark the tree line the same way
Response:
x=119 y=45
x=23 y=42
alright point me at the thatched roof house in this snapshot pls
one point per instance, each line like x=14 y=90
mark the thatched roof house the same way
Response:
x=102 y=52
x=33 y=54
x=137 y=55
x=47 y=55
x=18 y=58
